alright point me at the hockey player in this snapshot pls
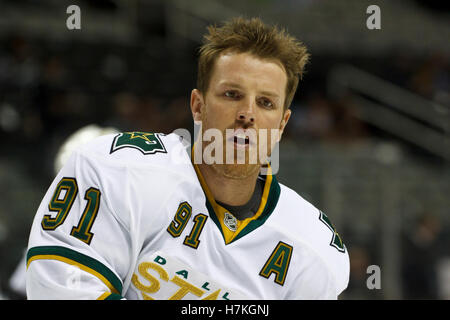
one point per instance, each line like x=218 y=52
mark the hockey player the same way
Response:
x=133 y=216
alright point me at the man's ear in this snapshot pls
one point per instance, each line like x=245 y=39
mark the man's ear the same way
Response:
x=197 y=103
x=284 y=121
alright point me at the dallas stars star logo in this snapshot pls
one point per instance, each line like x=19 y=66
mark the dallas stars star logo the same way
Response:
x=147 y=137
x=145 y=142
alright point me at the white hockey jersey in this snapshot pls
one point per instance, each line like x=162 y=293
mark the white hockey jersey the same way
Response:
x=129 y=216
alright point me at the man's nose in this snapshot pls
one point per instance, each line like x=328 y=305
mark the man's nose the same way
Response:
x=246 y=114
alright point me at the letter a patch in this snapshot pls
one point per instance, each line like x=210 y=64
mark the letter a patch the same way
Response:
x=278 y=263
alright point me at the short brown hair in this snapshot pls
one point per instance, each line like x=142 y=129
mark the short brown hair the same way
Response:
x=263 y=41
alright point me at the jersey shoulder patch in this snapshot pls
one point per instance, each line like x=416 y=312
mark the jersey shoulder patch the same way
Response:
x=145 y=142
x=138 y=148
x=336 y=240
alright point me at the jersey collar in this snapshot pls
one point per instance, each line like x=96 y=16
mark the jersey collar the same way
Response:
x=269 y=199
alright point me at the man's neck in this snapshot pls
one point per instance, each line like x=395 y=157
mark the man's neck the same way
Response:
x=232 y=191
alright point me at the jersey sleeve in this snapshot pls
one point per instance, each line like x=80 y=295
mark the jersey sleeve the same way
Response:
x=315 y=283
x=79 y=245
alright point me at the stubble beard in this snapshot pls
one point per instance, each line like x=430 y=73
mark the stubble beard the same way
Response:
x=235 y=170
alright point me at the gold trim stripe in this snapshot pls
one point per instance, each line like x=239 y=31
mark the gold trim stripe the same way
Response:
x=74 y=263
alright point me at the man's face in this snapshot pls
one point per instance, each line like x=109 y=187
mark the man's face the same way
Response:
x=245 y=94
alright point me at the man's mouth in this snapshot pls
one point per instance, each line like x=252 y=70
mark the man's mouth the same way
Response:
x=242 y=139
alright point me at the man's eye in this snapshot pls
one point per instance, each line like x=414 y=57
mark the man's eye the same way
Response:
x=266 y=103
x=231 y=94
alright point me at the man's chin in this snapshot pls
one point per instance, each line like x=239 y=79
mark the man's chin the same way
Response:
x=237 y=171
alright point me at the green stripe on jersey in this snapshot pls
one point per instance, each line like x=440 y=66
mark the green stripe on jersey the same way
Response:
x=85 y=262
